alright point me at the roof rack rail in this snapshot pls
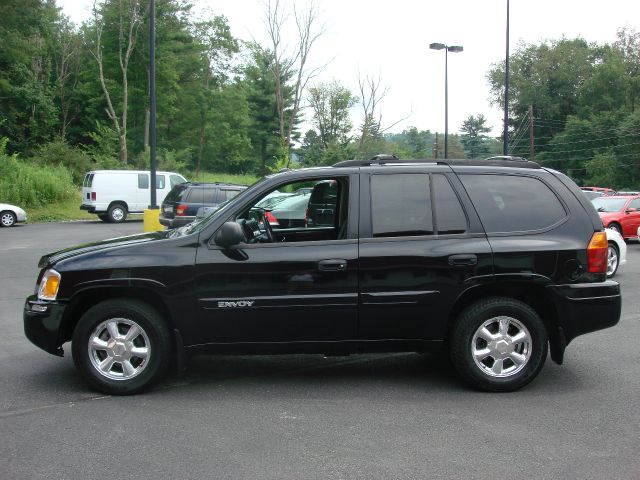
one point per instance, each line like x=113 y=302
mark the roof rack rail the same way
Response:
x=380 y=159
x=498 y=161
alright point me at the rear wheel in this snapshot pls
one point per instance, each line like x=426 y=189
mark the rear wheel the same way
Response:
x=7 y=218
x=121 y=346
x=613 y=260
x=117 y=213
x=498 y=344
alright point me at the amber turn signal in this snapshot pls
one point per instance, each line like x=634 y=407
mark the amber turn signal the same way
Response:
x=49 y=285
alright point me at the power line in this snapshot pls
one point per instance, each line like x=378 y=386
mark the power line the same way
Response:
x=586 y=141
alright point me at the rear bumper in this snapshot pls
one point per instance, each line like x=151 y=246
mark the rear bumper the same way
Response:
x=42 y=328
x=176 y=221
x=586 y=307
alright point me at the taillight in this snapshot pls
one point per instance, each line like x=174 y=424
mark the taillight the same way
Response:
x=271 y=218
x=93 y=196
x=181 y=209
x=597 y=253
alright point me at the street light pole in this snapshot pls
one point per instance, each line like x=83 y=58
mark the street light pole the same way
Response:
x=447 y=49
x=505 y=145
x=152 y=102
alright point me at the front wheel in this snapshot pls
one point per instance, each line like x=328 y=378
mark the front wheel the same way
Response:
x=498 y=344
x=121 y=346
x=7 y=218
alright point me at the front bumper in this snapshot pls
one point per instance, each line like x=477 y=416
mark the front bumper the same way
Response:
x=586 y=307
x=42 y=321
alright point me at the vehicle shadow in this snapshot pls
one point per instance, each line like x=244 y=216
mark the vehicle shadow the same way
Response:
x=411 y=370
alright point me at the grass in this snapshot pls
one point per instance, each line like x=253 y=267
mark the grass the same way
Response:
x=55 y=212
x=223 y=177
x=70 y=209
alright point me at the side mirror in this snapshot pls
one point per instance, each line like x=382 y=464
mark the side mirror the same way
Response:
x=230 y=234
x=631 y=210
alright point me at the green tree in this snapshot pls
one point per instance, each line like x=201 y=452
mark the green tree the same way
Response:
x=474 y=137
x=28 y=113
x=331 y=103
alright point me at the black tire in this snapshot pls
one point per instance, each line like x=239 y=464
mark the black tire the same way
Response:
x=103 y=216
x=154 y=337
x=7 y=218
x=616 y=227
x=117 y=213
x=466 y=336
x=613 y=259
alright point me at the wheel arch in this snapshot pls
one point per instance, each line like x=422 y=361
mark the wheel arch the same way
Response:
x=534 y=295
x=118 y=202
x=89 y=297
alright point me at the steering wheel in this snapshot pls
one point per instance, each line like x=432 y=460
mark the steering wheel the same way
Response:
x=262 y=217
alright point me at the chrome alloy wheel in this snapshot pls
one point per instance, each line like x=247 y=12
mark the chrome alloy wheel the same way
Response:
x=501 y=347
x=117 y=213
x=612 y=260
x=7 y=219
x=119 y=349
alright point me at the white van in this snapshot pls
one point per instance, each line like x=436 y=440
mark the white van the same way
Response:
x=113 y=194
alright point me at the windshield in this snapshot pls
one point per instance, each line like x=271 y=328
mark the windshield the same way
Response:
x=198 y=225
x=608 y=204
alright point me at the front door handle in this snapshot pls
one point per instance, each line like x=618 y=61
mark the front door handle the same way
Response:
x=463 y=260
x=333 y=265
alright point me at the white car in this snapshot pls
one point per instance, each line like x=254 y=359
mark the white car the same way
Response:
x=617 y=251
x=10 y=215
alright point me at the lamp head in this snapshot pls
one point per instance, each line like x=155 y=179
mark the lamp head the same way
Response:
x=454 y=48
x=437 y=46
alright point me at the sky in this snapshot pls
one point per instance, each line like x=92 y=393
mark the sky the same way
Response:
x=389 y=40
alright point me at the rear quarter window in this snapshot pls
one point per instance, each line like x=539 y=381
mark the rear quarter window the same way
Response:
x=513 y=203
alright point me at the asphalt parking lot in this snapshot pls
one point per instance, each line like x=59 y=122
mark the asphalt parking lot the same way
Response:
x=374 y=416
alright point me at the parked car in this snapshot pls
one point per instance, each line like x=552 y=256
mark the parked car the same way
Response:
x=617 y=253
x=414 y=255
x=621 y=213
x=114 y=194
x=604 y=190
x=590 y=194
x=290 y=212
x=10 y=215
x=185 y=199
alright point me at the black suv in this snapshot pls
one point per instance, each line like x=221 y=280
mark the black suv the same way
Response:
x=182 y=203
x=497 y=261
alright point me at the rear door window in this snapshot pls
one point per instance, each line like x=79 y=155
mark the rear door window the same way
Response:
x=401 y=205
x=513 y=203
x=227 y=194
x=450 y=217
x=160 y=182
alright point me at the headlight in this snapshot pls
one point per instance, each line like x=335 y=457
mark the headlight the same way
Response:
x=49 y=285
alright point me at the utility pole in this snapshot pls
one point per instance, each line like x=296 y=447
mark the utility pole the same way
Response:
x=531 y=145
x=436 y=145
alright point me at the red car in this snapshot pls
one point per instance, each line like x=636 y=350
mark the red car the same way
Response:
x=605 y=191
x=621 y=213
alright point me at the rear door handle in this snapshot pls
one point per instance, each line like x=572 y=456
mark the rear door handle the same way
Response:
x=462 y=260
x=332 y=265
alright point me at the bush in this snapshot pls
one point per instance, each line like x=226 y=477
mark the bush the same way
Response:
x=28 y=185
x=59 y=152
